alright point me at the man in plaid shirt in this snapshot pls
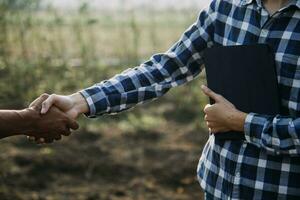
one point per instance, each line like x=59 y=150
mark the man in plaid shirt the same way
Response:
x=267 y=164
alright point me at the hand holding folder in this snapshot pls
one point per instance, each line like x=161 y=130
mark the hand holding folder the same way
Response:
x=246 y=76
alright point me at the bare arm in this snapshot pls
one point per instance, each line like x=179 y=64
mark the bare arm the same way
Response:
x=31 y=123
x=14 y=122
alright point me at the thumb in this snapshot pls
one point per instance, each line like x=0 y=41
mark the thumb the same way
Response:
x=38 y=102
x=46 y=105
x=208 y=92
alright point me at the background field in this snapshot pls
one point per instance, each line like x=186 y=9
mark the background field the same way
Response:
x=150 y=152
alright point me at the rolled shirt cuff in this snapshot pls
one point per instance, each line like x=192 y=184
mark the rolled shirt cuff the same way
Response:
x=96 y=100
x=253 y=128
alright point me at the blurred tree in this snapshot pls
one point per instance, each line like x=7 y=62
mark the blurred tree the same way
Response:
x=11 y=73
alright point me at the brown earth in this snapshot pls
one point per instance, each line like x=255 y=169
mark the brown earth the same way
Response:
x=106 y=162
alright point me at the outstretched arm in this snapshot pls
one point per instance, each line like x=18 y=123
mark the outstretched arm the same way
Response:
x=31 y=123
x=12 y=123
x=152 y=79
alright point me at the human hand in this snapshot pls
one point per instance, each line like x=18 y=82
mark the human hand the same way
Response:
x=222 y=116
x=49 y=127
x=72 y=105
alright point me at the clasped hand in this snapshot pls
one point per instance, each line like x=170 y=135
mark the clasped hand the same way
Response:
x=56 y=117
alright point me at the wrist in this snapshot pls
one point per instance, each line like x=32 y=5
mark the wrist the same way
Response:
x=25 y=120
x=8 y=121
x=237 y=121
x=80 y=103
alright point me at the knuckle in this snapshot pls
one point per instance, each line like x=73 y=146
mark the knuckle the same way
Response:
x=206 y=118
x=53 y=96
x=58 y=137
x=67 y=134
x=206 y=108
x=65 y=131
x=45 y=95
x=218 y=97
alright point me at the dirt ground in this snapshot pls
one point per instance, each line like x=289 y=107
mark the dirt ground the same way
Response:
x=105 y=163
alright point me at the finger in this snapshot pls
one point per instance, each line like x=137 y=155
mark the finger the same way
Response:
x=213 y=130
x=66 y=132
x=38 y=101
x=48 y=103
x=49 y=140
x=58 y=137
x=31 y=138
x=72 y=124
x=207 y=118
x=208 y=124
x=217 y=130
x=211 y=124
x=208 y=92
x=40 y=140
x=207 y=108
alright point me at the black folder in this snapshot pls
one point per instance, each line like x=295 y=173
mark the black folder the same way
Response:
x=246 y=76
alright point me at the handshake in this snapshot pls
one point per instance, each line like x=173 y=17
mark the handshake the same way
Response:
x=49 y=117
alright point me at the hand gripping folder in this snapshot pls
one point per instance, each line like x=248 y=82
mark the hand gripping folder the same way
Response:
x=246 y=76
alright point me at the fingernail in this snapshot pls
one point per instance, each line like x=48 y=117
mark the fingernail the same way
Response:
x=43 y=110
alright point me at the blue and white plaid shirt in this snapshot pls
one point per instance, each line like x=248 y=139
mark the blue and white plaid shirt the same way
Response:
x=267 y=164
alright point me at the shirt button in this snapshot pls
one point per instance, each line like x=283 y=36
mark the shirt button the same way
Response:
x=264 y=33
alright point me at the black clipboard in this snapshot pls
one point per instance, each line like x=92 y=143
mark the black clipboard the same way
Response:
x=246 y=76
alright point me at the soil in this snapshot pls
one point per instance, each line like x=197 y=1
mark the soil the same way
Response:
x=108 y=163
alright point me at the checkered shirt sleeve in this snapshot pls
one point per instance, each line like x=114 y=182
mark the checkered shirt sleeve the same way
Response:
x=152 y=79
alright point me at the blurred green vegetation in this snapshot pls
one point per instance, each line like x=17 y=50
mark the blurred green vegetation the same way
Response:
x=46 y=50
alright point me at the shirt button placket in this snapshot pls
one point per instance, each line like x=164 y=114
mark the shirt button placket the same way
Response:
x=263 y=35
x=237 y=176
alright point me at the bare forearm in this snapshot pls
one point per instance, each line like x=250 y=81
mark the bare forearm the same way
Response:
x=13 y=122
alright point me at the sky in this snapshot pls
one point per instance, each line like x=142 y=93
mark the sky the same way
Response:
x=129 y=4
